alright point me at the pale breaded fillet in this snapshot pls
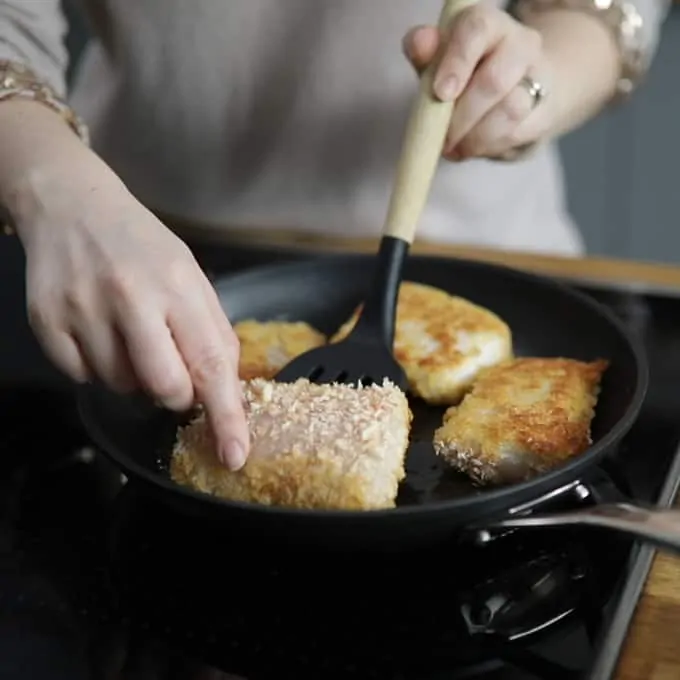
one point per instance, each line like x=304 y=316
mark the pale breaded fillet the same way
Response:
x=312 y=446
x=521 y=419
x=442 y=342
x=267 y=346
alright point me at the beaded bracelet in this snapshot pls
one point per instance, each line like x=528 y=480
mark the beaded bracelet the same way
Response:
x=17 y=81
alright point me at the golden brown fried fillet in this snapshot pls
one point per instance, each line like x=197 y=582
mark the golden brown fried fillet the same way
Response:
x=267 y=346
x=312 y=446
x=521 y=418
x=442 y=342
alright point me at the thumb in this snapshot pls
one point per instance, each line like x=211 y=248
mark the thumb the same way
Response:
x=420 y=45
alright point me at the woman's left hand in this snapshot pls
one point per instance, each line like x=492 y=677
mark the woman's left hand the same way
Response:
x=488 y=63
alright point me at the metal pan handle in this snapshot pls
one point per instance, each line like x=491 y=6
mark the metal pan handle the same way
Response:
x=660 y=528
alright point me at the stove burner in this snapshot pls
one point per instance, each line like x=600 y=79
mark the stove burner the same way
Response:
x=509 y=612
x=452 y=606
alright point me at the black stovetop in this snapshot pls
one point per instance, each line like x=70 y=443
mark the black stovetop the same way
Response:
x=97 y=581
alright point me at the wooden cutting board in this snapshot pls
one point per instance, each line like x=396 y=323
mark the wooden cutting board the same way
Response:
x=652 y=647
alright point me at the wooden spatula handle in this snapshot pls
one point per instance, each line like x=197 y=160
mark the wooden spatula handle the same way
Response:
x=422 y=147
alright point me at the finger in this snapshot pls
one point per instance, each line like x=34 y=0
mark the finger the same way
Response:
x=57 y=344
x=474 y=33
x=496 y=132
x=63 y=351
x=156 y=359
x=97 y=339
x=220 y=317
x=495 y=78
x=214 y=375
x=105 y=352
x=420 y=45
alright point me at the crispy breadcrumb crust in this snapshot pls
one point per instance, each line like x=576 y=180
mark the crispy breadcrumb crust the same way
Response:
x=267 y=346
x=442 y=342
x=522 y=418
x=312 y=446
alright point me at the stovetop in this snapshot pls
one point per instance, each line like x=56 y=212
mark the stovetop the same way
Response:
x=98 y=581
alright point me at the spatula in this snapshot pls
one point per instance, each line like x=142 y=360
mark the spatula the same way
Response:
x=366 y=355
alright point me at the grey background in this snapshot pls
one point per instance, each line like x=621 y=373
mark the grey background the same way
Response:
x=622 y=171
x=621 y=168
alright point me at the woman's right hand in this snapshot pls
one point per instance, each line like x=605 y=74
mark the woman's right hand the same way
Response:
x=113 y=293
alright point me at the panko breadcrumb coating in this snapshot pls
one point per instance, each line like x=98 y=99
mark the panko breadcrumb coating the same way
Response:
x=522 y=418
x=312 y=446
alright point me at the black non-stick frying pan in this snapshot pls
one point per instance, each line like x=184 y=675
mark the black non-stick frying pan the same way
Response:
x=547 y=319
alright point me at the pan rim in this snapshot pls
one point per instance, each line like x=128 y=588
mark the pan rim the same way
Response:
x=549 y=480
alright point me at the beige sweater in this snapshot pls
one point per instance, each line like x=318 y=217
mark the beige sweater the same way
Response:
x=280 y=114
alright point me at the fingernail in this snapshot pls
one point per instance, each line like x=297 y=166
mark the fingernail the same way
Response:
x=450 y=151
x=233 y=455
x=447 y=88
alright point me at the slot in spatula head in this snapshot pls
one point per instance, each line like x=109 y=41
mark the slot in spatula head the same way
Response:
x=366 y=355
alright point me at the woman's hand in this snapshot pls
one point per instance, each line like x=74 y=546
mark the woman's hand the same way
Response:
x=486 y=56
x=113 y=293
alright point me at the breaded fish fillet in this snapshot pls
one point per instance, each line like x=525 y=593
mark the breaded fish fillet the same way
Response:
x=521 y=418
x=312 y=446
x=442 y=341
x=267 y=346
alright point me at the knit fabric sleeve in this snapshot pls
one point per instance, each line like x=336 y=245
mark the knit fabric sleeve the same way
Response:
x=32 y=32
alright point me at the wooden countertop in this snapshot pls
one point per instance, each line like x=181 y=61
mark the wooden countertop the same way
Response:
x=652 y=647
x=646 y=276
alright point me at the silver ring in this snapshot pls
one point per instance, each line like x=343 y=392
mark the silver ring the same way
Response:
x=535 y=90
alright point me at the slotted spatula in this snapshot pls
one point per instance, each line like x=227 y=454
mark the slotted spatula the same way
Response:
x=366 y=355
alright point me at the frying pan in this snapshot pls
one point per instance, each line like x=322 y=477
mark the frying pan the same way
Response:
x=434 y=504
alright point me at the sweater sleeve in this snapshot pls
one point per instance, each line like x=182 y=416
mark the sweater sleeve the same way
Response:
x=32 y=32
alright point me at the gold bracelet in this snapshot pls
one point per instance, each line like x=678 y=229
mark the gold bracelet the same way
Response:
x=624 y=22
x=17 y=81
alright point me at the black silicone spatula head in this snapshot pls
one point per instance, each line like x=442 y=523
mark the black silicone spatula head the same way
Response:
x=366 y=354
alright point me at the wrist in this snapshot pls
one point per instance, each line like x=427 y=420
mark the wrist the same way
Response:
x=580 y=66
x=44 y=163
x=51 y=193
x=32 y=137
x=629 y=34
x=60 y=196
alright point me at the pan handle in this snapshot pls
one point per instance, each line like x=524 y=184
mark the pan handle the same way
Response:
x=659 y=527
x=422 y=147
